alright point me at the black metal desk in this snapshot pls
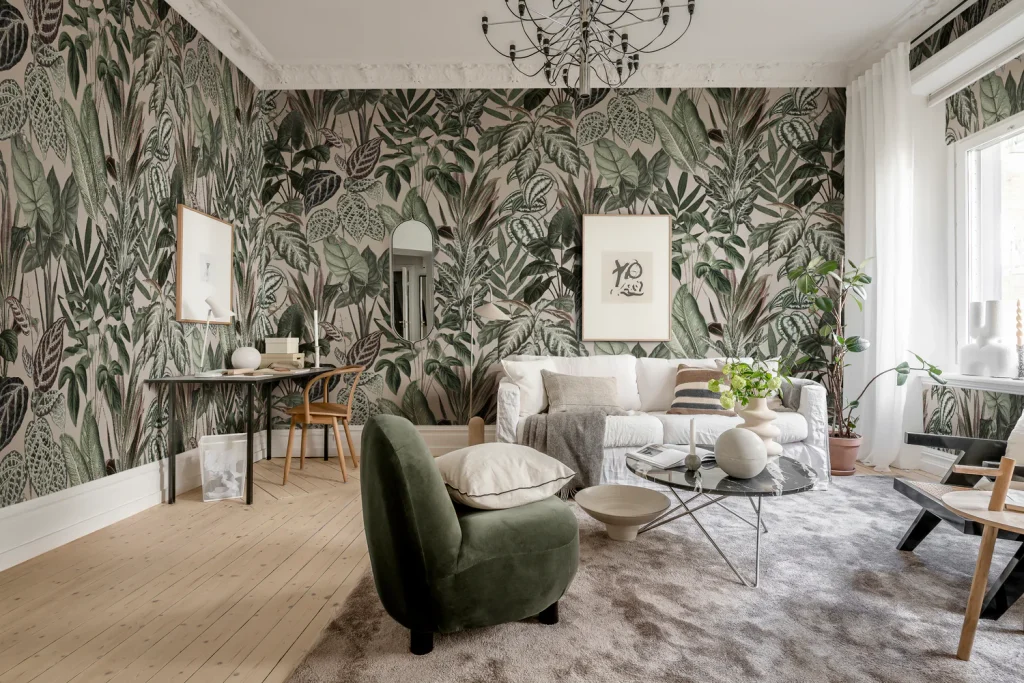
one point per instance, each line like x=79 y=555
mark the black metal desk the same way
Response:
x=248 y=381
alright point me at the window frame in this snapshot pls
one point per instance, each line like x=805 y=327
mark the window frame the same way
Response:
x=960 y=243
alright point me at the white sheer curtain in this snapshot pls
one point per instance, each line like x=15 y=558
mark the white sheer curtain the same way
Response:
x=880 y=226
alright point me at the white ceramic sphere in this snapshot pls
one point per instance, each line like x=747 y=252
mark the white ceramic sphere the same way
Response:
x=741 y=453
x=245 y=358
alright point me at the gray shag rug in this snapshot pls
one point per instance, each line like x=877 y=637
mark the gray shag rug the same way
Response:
x=836 y=602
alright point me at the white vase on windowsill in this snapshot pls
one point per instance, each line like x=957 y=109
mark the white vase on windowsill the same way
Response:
x=987 y=355
x=760 y=419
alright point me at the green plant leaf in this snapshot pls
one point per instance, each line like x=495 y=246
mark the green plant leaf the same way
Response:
x=34 y=197
x=689 y=328
x=995 y=102
x=346 y=262
x=614 y=164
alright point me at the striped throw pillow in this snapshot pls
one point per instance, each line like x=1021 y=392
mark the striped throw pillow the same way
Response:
x=692 y=394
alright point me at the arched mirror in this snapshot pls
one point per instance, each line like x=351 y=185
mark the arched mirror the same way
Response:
x=412 y=280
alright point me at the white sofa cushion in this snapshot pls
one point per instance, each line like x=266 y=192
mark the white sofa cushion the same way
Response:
x=632 y=430
x=622 y=368
x=656 y=379
x=677 y=427
x=526 y=375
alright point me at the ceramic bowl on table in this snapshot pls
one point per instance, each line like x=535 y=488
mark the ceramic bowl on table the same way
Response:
x=622 y=509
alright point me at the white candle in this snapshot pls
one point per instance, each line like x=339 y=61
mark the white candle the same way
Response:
x=693 y=436
x=316 y=339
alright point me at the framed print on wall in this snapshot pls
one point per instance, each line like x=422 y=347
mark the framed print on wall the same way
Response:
x=627 y=263
x=205 y=250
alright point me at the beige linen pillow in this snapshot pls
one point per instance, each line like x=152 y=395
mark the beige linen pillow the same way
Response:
x=692 y=394
x=572 y=394
x=495 y=476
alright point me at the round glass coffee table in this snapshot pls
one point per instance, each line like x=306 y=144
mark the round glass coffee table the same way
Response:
x=782 y=477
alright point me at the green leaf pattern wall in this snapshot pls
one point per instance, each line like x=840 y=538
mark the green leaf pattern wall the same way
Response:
x=113 y=116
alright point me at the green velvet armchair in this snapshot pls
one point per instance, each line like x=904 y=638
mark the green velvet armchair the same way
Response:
x=441 y=568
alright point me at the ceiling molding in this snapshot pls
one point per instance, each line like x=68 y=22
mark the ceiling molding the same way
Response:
x=907 y=26
x=232 y=37
x=322 y=76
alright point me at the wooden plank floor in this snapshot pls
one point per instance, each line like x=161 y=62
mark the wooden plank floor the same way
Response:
x=198 y=592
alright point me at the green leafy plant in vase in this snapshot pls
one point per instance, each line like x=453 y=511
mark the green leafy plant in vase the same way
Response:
x=747 y=387
x=824 y=288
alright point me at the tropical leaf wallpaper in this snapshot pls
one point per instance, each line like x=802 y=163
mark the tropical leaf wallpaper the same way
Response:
x=970 y=412
x=968 y=17
x=112 y=113
x=991 y=99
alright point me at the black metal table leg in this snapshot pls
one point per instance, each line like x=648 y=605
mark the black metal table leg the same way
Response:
x=270 y=391
x=248 y=445
x=325 y=443
x=172 y=449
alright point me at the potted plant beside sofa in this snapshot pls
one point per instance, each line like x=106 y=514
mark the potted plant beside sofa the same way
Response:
x=824 y=288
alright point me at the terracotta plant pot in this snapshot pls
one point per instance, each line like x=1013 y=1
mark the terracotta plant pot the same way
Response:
x=843 y=454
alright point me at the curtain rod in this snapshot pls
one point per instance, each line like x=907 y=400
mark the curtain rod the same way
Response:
x=941 y=21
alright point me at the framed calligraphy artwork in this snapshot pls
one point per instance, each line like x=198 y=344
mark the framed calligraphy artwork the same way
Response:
x=627 y=265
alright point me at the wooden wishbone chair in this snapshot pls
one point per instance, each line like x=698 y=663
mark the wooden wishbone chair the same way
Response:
x=324 y=413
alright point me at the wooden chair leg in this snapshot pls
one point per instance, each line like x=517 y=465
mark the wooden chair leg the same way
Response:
x=302 y=447
x=288 y=452
x=351 y=448
x=341 y=453
x=988 y=543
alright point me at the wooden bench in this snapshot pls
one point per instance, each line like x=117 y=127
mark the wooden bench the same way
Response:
x=1009 y=586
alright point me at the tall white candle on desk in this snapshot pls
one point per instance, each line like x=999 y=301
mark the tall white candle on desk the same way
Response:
x=693 y=435
x=316 y=339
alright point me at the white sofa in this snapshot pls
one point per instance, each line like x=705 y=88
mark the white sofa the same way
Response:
x=646 y=388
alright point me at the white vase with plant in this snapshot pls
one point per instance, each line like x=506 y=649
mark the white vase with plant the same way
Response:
x=747 y=388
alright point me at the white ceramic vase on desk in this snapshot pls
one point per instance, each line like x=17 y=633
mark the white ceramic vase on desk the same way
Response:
x=245 y=358
x=987 y=355
x=760 y=419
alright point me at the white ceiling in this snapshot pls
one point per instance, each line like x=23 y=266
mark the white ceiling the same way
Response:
x=354 y=43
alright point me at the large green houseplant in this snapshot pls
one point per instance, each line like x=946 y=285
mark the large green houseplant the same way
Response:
x=824 y=288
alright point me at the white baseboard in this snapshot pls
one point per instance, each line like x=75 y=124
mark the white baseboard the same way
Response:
x=936 y=462
x=41 y=524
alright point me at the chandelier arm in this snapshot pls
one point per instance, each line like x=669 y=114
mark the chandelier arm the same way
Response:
x=507 y=55
x=646 y=48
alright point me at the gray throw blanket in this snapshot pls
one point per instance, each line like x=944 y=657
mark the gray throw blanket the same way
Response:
x=574 y=439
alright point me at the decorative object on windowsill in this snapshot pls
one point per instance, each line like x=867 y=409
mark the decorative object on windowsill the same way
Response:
x=575 y=41
x=824 y=288
x=218 y=311
x=741 y=453
x=750 y=386
x=1020 y=343
x=622 y=509
x=987 y=355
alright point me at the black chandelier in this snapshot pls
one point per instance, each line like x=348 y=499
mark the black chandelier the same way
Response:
x=579 y=39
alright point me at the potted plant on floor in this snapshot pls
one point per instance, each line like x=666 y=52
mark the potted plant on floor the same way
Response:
x=824 y=288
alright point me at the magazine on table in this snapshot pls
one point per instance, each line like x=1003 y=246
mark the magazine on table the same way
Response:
x=664 y=456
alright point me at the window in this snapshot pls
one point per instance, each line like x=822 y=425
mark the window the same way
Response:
x=989 y=248
x=996 y=225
